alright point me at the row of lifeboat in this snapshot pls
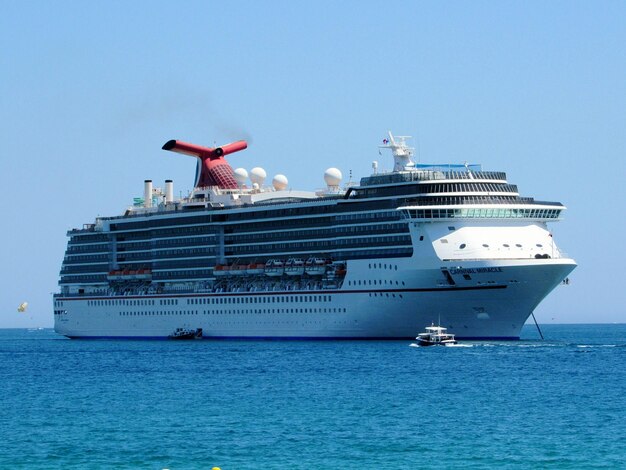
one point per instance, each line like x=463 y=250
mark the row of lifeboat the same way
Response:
x=276 y=267
x=130 y=275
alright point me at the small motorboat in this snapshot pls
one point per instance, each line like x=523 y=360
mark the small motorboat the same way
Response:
x=186 y=333
x=435 y=336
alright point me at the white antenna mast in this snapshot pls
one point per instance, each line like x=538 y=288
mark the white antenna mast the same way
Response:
x=402 y=153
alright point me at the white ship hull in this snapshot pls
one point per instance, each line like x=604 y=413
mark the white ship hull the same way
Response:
x=495 y=303
x=449 y=244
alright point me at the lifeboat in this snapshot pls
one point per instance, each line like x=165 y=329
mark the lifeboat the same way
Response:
x=274 y=267
x=130 y=275
x=220 y=270
x=238 y=269
x=255 y=268
x=114 y=275
x=294 y=267
x=143 y=274
x=316 y=266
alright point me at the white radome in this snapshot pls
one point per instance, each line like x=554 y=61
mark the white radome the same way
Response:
x=258 y=175
x=280 y=182
x=241 y=175
x=332 y=176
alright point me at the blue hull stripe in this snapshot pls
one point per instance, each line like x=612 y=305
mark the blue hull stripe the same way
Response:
x=292 y=338
x=293 y=292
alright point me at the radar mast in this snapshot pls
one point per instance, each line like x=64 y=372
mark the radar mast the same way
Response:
x=402 y=153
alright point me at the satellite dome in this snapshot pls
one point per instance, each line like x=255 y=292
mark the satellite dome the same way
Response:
x=241 y=175
x=258 y=175
x=280 y=182
x=332 y=176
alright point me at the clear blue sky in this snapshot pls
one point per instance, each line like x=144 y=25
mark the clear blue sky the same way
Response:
x=90 y=91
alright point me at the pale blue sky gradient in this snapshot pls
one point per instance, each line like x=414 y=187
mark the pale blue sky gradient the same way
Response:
x=90 y=91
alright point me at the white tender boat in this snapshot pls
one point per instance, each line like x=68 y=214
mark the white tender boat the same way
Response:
x=435 y=336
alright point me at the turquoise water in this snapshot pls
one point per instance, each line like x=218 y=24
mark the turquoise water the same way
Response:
x=558 y=403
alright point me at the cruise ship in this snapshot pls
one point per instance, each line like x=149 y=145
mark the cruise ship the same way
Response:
x=238 y=258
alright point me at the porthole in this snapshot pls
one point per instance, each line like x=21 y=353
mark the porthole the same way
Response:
x=485 y=245
x=505 y=245
x=462 y=246
x=518 y=245
x=539 y=245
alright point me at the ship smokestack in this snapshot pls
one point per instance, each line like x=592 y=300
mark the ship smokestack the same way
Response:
x=169 y=191
x=147 y=193
x=204 y=152
x=214 y=170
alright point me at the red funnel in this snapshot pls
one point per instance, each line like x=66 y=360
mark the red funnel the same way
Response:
x=214 y=169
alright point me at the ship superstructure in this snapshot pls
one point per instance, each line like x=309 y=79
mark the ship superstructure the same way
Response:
x=379 y=259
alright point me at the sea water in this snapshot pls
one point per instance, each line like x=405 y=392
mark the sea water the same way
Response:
x=556 y=403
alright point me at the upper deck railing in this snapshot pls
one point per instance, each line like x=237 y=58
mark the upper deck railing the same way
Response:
x=434 y=172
